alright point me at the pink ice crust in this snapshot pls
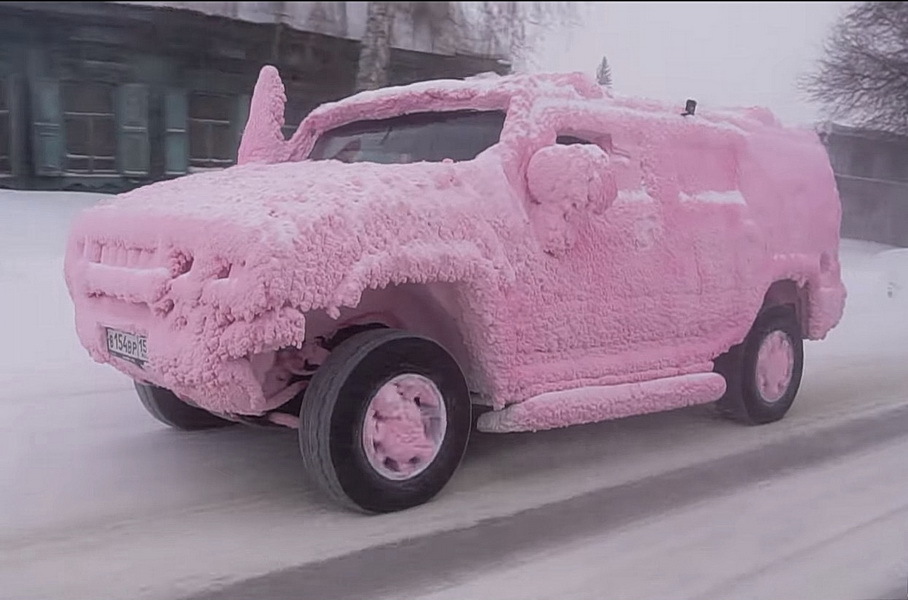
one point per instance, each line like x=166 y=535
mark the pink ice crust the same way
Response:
x=594 y=404
x=405 y=425
x=775 y=366
x=547 y=270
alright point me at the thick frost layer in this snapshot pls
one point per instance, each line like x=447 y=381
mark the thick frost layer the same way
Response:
x=651 y=256
x=593 y=404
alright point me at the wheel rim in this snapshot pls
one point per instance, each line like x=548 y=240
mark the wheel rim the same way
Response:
x=405 y=426
x=775 y=366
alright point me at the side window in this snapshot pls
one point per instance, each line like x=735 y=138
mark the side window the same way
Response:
x=570 y=140
x=604 y=141
x=625 y=164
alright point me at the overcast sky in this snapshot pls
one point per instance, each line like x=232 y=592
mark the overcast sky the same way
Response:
x=727 y=53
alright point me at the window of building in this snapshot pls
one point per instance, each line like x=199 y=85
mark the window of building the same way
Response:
x=211 y=143
x=5 y=130
x=90 y=124
x=295 y=111
x=293 y=115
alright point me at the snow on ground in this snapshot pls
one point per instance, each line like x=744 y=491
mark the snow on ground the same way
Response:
x=96 y=492
x=34 y=306
x=810 y=555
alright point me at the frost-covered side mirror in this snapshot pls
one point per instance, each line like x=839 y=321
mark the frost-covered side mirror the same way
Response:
x=566 y=183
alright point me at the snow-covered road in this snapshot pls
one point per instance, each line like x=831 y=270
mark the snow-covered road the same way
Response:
x=97 y=500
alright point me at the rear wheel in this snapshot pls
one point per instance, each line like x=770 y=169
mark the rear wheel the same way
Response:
x=763 y=374
x=167 y=408
x=385 y=421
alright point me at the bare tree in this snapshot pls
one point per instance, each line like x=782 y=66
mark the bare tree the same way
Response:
x=375 y=53
x=516 y=28
x=526 y=26
x=604 y=73
x=863 y=76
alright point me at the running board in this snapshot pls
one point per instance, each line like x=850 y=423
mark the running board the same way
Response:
x=603 y=403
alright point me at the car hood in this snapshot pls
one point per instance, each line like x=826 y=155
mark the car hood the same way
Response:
x=257 y=238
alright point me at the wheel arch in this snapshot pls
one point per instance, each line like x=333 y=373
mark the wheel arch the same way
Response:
x=431 y=309
x=788 y=292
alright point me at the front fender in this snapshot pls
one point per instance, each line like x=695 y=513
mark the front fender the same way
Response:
x=454 y=261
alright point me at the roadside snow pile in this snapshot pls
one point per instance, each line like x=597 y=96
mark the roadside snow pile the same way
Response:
x=892 y=266
x=863 y=272
x=874 y=322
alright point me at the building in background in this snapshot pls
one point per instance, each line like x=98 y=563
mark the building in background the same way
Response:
x=871 y=169
x=111 y=95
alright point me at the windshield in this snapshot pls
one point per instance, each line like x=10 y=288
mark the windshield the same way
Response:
x=420 y=137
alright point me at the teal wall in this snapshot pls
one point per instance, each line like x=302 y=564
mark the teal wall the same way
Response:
x=154 y=61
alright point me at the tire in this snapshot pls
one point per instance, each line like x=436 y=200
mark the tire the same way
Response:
x=173 y=412
x=338 y=412
x=748 y=401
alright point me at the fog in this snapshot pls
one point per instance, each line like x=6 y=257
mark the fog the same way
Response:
x=721 y=53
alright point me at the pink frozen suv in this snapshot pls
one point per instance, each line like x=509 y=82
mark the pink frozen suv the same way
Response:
x=527 y=245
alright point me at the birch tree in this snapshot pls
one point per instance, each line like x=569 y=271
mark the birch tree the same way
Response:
x=374 y=67
x=516 y=28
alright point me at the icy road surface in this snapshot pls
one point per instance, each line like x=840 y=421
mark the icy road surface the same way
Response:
x=97 y=500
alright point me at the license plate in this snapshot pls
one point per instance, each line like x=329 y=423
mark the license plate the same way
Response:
x=128 y=346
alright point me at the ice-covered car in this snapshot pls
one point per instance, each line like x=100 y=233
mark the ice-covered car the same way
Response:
x=530 y=245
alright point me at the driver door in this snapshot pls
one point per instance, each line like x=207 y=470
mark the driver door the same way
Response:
x=609 y=296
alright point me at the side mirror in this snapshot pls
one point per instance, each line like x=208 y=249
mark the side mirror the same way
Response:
x=565 y=184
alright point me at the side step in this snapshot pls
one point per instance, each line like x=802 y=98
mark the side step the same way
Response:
x=603 y=403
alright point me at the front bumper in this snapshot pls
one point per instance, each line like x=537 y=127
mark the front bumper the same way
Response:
x=200 y=340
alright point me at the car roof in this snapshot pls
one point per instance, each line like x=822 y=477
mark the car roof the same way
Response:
x=489 y=91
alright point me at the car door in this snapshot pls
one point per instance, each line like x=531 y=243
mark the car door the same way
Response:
x=610 y=303
x=725 y=240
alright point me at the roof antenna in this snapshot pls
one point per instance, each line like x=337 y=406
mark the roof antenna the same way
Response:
x=690 y=107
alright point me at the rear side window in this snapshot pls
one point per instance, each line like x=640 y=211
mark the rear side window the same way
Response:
x=570 y=140
x=603 y=141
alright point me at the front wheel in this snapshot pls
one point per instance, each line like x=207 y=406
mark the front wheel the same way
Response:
x=385 y=421
x=763 y=374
